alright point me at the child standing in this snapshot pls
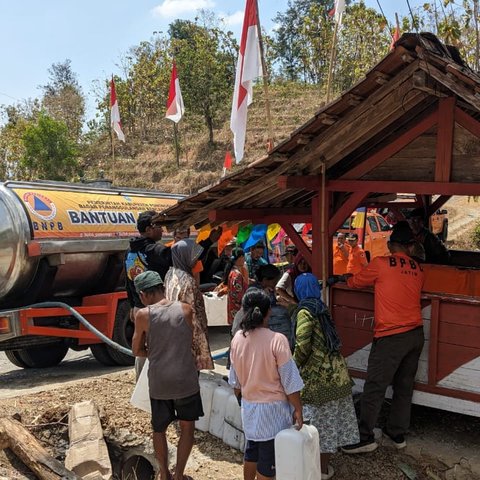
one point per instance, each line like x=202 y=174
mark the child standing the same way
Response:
x=264 y=374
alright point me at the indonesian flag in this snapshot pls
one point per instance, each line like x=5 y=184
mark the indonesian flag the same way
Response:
x=175 y=108
x=338 y=11
x=249 y=67
x=395 y=38
x=227 y=163
x=115 y=113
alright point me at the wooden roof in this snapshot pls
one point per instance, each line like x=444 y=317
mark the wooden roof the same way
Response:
x=402 y=90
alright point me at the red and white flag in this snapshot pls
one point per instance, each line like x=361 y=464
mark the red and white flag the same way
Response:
x=249 y=67
x=338 y=10
x=227 y=163
x=395 y=38
x=175 y=108
x=115 y=113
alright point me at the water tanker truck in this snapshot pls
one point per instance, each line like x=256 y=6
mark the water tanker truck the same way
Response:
x=66 y=242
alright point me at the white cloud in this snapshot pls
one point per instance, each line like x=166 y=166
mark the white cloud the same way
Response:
x=174 y=8
x=233 y=19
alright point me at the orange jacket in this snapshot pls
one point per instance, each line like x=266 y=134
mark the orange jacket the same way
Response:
x=398 y=282
x=340 y=259
x=357 y=260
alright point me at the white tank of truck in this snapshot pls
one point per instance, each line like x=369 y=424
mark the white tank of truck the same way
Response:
x=61 y=240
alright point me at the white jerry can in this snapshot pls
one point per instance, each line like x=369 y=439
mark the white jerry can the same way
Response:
x=141 y=396
x=297 y=454
x=217 y=413
x=233 y=430
x=207 y=389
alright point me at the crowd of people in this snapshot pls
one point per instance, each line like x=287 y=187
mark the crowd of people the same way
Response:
x=285 y=361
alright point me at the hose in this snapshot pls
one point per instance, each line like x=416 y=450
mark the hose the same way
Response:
x=84 y=322
x=94 y=330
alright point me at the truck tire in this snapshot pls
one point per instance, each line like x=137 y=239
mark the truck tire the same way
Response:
x=14 y=357
x=43 y=357
x=122 y=334
x=100 y=352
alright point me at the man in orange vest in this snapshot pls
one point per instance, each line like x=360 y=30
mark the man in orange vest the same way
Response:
x=357 y=259
x=397 y=338
x=340 y=255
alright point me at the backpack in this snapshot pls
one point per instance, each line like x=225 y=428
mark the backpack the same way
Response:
x=135 y=264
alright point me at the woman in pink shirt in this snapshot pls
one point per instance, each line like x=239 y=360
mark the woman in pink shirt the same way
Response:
x=264 y=374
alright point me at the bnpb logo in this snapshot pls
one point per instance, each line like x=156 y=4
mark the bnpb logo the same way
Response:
x=40 y=205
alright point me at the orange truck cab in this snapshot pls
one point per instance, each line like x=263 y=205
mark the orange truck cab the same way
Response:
x=377 y=233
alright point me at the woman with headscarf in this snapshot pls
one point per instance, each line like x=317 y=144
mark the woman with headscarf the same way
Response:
x=327 y=395
x=284 y=288
x=180 y=285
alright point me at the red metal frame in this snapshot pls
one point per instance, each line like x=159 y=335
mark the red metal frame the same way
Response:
x=99 y=310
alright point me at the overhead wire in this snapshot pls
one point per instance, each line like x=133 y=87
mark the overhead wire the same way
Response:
x=385 y=18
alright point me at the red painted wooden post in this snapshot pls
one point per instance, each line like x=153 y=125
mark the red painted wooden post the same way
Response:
x=445 y=131
x=316 y=236
x=467 y=121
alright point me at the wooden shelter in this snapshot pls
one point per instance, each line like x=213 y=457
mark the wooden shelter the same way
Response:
x=411 y=126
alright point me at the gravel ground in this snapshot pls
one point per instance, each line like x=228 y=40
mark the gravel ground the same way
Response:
x=441 y=445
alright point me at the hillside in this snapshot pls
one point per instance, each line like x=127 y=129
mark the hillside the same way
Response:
x=200 y=164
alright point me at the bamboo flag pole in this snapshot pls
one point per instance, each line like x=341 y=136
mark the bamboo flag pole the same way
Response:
x=177 y=147
x=397 y=22
x=265 y=82
x=333 y=54
x=113 y=150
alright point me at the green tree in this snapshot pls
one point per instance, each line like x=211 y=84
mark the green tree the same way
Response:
x=205 y=57
x=63 y=98
x=50 y=153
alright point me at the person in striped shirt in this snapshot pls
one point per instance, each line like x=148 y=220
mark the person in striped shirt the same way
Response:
x=264 y=374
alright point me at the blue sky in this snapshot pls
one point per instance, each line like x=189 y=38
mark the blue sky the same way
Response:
x=94 y=34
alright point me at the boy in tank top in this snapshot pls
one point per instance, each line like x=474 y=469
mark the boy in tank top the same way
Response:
x=163 y=334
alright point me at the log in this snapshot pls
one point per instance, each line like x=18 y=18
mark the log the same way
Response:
x=26 y=447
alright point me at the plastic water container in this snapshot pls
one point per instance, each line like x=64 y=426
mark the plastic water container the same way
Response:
x=207 y=389
x=141 y=396
x=297 y=454
x=233 y=430
x=217 y=413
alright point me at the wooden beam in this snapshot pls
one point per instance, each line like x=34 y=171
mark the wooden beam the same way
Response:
x=467 y=121
x=391 y=149
x=446 y=127
x=421 y=81
x=425 y=188
x=306 y=182
x=454 y=85
x=298 y=241
x=293 y=215
x=438 y=203
x=345 y=210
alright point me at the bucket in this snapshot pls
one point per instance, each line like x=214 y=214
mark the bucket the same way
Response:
x=207 y=389
x=297 y=454
x=233 y=430
x=217 y=413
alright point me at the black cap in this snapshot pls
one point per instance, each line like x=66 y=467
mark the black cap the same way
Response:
x=402 y=233
x=352 y=236
x=145 y=220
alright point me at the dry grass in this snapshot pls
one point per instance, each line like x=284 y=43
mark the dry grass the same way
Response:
x=154 y=166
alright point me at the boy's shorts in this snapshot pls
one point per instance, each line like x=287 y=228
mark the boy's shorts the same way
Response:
x=263 y=454
x=164 y=412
